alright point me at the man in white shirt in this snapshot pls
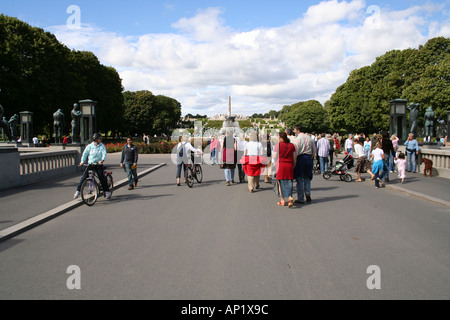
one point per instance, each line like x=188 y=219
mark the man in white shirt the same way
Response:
x=323 y=150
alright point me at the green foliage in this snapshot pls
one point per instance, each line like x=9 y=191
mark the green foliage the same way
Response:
x=41 y=75
x=160 y=147
x=146 y=113
x=245 y=124
x=214 y=124
x=419 y=76
x=311 y=114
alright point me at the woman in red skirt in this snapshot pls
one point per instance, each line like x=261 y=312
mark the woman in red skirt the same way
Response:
x=286 y=158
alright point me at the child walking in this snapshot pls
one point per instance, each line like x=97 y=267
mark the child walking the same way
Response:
x=378 y=165
x=401 y=167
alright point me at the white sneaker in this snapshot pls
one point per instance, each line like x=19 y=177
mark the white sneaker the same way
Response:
x=76 y=195
x=108 y=195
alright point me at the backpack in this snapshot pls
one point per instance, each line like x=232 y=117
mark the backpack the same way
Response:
x=181 y=151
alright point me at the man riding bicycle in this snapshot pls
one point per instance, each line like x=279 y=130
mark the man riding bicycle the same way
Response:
x=96 y=152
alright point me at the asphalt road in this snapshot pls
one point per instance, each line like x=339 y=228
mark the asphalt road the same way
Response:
x=211 y=242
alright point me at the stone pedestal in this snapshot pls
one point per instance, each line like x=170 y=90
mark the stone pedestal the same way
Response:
x=10 y=168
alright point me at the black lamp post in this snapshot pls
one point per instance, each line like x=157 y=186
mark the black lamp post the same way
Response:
x=26 y=127
x=88 y=120
x=397 y=115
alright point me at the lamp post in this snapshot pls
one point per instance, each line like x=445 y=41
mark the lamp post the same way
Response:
x=26 y=126
x=88 y=120
x=397 y=115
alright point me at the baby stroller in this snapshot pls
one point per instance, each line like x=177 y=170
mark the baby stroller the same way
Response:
x=341 y=169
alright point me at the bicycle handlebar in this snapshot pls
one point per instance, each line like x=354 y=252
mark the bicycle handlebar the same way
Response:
x=93 y=164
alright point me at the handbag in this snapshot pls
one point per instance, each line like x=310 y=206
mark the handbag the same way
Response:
x=276 y=188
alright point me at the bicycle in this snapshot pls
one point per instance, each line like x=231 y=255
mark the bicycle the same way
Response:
x=193 y=171
x=91 y=188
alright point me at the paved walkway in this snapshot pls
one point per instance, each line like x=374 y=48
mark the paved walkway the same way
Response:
x=25 y=207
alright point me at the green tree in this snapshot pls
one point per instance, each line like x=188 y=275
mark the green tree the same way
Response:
x=311 y=114
x=167 y=113
x=101 y=84
x=417 y=75
x=146 y=113
x=41 y=75
x=35 y=73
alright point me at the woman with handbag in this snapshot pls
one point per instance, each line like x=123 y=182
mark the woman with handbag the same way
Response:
x=286 y=159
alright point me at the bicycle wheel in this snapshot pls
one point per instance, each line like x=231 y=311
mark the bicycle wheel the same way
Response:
x=89 y=192
x=198 y=173
x=189 y=177
x=110 y=182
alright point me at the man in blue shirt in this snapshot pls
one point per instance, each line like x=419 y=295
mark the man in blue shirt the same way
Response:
x=412 y=150
x=96 y=152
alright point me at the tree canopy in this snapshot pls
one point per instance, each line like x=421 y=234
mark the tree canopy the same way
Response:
x=417 y=75
x=41 y=75
x=311 y=114
x=146 y=113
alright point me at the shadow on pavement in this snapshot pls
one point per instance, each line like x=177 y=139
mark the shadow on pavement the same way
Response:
x=335 y=198
x=130 y=197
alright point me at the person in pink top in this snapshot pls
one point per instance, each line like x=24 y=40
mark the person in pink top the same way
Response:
x=401 y=166
x=394 y=140
x=214 y=147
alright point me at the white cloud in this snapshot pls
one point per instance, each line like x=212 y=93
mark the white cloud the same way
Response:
x=265 y=68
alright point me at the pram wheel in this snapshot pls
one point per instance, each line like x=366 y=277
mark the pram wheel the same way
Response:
x=327 y=175
x=348 y=178
x=342 y=178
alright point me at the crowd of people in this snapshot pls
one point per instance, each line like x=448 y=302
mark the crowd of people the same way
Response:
x=289 y=157
x=286 y=157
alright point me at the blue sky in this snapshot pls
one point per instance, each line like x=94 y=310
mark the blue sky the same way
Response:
x=135 y=17
x=265 y=54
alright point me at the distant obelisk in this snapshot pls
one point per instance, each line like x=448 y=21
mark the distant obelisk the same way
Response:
x=229 y=106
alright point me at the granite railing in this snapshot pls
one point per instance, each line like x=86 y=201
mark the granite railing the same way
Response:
x=22 y=166
x=37 y=166
x=440 y=158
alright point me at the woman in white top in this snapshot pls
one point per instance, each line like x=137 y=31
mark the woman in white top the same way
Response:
x=253 y=149
x=363 y=164
x=349 y=144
